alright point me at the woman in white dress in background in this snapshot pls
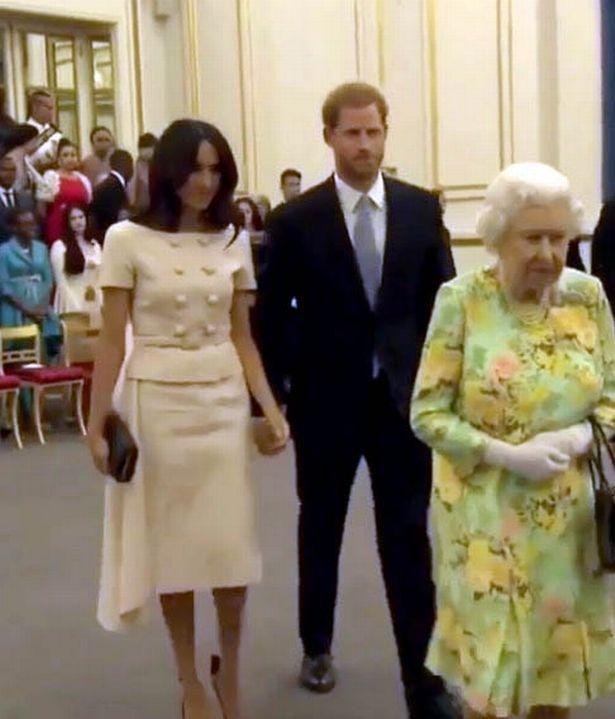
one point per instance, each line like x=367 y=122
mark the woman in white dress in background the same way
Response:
x=75 y=260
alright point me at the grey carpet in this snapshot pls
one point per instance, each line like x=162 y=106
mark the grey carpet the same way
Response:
x=56 y=663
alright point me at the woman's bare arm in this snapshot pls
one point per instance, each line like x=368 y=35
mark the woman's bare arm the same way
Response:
x=109 y=357
x=254 y=372
x=249 y=354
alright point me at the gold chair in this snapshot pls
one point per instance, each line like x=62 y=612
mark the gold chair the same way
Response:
x=9 y=390
x=37 y=376
x=79 y=341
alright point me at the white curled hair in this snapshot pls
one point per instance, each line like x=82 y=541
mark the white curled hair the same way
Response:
x=522 y=185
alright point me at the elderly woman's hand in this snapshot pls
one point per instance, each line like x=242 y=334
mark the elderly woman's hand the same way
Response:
x=535 y=461
x=575 y=441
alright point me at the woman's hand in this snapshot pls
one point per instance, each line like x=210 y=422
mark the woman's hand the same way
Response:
x=574 y=441
x=533 y=460
x=99 y=449
x=38 y=313
x=271 y=433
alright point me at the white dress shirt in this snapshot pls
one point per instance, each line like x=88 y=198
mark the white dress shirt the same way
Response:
x=9 y=198
x=46 y=153
x=349 y=197
x=119 y=176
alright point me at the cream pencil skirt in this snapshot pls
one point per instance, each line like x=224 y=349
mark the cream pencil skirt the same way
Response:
x=187 y=519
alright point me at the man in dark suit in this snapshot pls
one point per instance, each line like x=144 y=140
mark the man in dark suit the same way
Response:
x=110 y=199
x=603 y=250
x=361 y=256
x=10 y=198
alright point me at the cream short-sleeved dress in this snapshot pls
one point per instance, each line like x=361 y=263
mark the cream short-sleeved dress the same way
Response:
x=186 y=521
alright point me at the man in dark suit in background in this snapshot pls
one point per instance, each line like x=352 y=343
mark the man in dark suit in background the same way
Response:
x=10 y=198
x=110 y=199
x=603 y=250
x=361 y=256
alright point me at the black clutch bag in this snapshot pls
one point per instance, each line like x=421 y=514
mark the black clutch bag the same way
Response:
x=604 y=497
x=123 y=450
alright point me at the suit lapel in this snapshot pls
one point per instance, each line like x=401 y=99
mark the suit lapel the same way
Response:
x=394 y=238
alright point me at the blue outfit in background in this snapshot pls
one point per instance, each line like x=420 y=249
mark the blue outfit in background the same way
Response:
x=25 y=275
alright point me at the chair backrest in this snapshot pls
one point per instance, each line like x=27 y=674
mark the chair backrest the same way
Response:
x=79 y=338
x=29 y=339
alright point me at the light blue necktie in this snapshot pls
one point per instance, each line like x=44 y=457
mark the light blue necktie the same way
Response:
x=368 y=257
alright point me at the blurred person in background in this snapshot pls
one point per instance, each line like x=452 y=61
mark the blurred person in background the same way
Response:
x=290 y=184
x=603 y=250
x=139 y=185
x=61 y=187
x=10 y=197
x=75 y=260
x=110 y=201
x=264 y=206
x=26 y=282
x=96 y=166
x=42 y=116
x=250 y=216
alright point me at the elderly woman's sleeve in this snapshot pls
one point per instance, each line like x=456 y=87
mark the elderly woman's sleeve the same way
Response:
x=605 y=410
x=433 y=414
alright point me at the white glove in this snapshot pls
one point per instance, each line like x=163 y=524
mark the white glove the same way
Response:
x=575 y=441
x=535 y=461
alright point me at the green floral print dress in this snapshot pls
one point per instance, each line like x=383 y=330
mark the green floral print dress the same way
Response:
x=523 y=618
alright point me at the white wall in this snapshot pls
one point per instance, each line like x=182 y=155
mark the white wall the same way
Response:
x=472 y=84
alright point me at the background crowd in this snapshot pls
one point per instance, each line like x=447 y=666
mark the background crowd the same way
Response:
x=57 y=202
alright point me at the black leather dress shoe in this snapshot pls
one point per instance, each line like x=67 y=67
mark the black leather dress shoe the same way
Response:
x=441 y=705
x=318 y=674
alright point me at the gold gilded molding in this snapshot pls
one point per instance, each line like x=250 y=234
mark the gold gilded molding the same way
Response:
x=242 y=98
x=247 y=94
x=511 y=87
x=500 y=83
x=380 y=21
x=357 y=39
x=15 y=61
x=136 y=42
x=467 y=241
x=431 y=27
x=433 y=91
x=190 y=21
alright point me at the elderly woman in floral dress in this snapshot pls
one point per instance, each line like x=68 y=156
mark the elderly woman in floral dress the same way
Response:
x=517 y=358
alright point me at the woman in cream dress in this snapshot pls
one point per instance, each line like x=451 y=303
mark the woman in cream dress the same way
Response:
x=75 y=260
x=182 y=274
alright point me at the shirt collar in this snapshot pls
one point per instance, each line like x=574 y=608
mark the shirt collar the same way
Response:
x=37 y=125
x=349 y=196
x=120 y=177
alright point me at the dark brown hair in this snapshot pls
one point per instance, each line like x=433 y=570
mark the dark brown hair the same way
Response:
x=352 y=94
x=257 y=220
x=74 y=261
x=65 y=142
x=290 y=172
x=175 y=158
